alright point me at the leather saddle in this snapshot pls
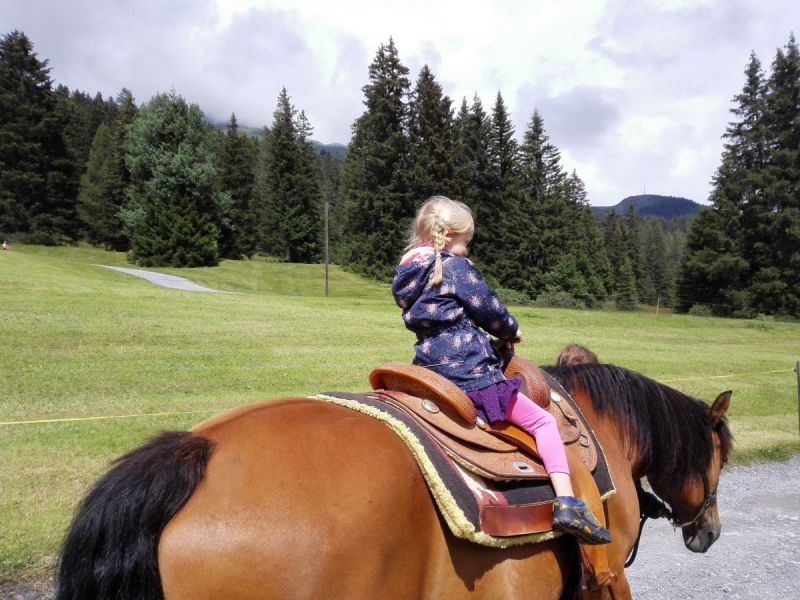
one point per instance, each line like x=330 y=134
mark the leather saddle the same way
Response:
x=503 y=451
x=500 y=451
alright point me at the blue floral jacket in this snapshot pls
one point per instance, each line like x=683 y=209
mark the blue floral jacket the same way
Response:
x=451 y=320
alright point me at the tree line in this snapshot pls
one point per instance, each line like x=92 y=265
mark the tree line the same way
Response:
x=743 y=253
x=158 y=181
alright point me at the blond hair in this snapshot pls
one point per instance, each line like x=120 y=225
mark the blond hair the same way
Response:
x=437 y=220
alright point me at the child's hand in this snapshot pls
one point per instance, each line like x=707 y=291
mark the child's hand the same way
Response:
x=518 y=336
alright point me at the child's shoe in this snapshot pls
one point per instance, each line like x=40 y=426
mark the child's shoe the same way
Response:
x=572 y=516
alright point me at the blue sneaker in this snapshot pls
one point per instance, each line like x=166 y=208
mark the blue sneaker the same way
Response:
x=572 y=516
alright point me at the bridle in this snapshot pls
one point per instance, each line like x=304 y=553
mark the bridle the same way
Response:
x=652 y=507
x=710 y=499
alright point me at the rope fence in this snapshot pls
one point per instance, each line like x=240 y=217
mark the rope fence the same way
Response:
x=796 y=369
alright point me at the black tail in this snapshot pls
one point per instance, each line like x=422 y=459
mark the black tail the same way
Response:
x=111 y=550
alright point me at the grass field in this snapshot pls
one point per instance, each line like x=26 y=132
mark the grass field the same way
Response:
x=128 y=359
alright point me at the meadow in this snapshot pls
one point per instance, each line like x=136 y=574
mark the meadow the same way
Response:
x=93 y=362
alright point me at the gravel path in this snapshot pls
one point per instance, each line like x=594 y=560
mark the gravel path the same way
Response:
x=170 y=281
x=757 y=557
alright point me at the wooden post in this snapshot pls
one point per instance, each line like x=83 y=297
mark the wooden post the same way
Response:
x=658 y=304
x=326 y=248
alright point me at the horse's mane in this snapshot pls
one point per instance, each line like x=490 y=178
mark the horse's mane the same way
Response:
x=671 y=431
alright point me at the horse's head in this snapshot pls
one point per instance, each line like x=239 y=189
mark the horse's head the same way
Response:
x=694 y=505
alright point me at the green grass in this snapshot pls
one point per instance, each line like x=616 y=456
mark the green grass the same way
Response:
x=81 y=341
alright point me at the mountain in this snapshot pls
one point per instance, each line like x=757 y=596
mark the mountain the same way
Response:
x=336 y=150
x=652 y=205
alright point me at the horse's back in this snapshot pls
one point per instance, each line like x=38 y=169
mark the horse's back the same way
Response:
x=305 y=499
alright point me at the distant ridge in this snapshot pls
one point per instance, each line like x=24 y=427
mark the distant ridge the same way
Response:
x=335 y=150
x=652 y=205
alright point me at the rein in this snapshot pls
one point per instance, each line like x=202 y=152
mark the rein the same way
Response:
x=652 y=507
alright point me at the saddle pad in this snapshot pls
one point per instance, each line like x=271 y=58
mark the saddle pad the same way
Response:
x=497 y=514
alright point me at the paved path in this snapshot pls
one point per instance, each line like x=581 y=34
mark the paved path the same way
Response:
x=164 y=280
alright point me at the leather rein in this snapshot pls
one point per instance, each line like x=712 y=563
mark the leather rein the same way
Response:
x=652 y=507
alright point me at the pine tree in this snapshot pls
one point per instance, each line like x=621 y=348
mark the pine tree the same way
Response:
x=377 y=206
x=174 y=205
x=625 y=297
x=119 y=177
x=544 y=205
x=744 y=257
x=432 y=138
x=775 y=286
x=480 y=182
x=645 y=288
x=654 y=263
x=98 y=213
x=291 y=187
x=38 y=187
x=710 y=266
x=236 y=172
x=616 y=251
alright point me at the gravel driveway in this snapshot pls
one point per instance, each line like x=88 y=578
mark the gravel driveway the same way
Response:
x=757 y=557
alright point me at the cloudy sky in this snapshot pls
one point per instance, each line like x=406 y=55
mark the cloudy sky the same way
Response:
x=634 y=93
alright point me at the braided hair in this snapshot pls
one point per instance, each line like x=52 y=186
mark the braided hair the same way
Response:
x=437 y=220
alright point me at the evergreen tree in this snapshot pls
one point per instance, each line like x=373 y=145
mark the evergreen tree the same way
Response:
x=174 y=205
x=119 y=176
x=744 y=257
x=37 y=182
x=587 y=244
x=645 y=288
x=544 y=205
x=710 y=266
x=654 y=264
x=236 y=171
x=616 y=251
x=376 y=204
x=505 y=227
x=432 y=138
x=98 y=213
x=480 y=183
x=775 y=286
x=625 y=297
x=291 y=187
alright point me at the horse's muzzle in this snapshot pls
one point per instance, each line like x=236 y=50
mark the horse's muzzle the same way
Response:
x=700 y=539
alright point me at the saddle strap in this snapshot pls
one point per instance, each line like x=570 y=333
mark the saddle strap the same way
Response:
x=595 y=572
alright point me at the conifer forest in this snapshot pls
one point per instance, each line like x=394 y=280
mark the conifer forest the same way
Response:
x=152 y=177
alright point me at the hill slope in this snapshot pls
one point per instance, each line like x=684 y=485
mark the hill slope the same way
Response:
x=652 y=205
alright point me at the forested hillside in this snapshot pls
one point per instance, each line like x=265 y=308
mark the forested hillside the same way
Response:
x=652 y=205
x=157 y=180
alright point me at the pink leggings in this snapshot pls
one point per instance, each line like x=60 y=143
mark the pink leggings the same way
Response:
x=541 y=425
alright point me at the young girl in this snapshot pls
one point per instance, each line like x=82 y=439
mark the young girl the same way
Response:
x=450 y=308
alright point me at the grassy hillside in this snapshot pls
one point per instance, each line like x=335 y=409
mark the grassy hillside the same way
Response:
x=127 y=359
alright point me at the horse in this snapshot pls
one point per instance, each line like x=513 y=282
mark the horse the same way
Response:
x=297 y=498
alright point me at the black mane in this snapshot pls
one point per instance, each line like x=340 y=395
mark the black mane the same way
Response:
x=670 y=430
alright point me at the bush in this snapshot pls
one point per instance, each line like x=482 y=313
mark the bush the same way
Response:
x=557 y=299
x=700 y=310
x=508 y=296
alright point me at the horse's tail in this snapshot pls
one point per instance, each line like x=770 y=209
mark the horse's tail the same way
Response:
x=111 y=550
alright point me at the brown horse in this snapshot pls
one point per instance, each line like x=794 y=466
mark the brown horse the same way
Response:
x=301 y=499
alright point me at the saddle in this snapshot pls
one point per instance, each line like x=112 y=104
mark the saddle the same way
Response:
x=502 y=451
x=499 y=451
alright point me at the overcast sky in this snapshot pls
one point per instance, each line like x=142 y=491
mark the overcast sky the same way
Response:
x=635 y=94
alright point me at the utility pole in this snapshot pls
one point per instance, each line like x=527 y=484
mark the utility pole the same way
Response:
x=326 y=248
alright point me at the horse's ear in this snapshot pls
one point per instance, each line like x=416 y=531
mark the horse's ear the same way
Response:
x=720 y=407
